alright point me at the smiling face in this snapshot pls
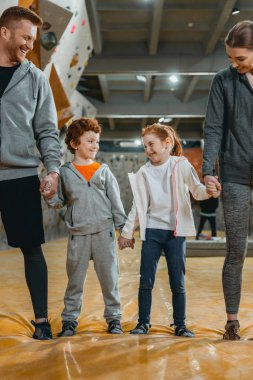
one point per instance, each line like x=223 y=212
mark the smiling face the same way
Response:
x=241 y=59
x=18 y=40
x=88 y=146
x=156 y=150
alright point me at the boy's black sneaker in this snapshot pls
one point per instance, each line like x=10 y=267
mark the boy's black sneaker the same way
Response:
x=183 y=331
x=68 y=328
x=42 y=331
x=141 y=328
x=114 y=327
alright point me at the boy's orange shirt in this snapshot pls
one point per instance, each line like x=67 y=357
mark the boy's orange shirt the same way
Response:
x=87 y=171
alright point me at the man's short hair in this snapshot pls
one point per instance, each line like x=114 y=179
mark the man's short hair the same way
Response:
x=15 y=14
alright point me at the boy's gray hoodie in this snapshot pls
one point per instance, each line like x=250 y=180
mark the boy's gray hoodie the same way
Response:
x=27 y=115
x=91 y=206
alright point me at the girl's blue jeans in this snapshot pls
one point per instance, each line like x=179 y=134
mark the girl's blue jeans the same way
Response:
x=174 y=249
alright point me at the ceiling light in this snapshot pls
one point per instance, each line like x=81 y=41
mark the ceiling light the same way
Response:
x=173 y=78
x=235 y=11
x=161 y=119
x=141 y=78
x=137 y=142
x=190 y=24
x=167 y=119
x=128 y=144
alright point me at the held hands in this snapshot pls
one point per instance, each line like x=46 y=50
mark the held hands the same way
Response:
x=48 y=186
x=213 y=186
x=125 y=243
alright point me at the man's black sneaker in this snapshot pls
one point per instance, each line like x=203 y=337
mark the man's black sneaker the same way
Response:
x=183 y=331
x=68 y=328
x=141 y=328
x=114 y=327
x=42 y=331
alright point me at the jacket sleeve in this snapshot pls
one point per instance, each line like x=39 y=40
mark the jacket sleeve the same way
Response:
x=131 y=224
x=191 y=178
x=59 y=199
x=213 y=128
x=45 y=126
x=113 y=193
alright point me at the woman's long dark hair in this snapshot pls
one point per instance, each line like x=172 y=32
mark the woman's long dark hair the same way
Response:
x=241 y=35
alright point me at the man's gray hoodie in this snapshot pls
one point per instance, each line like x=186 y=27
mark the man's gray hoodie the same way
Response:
x=28 y=115
x=228 y=131
x=92 y=206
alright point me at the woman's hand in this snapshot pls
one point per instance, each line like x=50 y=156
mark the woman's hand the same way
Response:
x=213 y=186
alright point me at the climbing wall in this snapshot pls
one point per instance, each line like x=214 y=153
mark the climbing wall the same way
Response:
x=121 y=164
x=74 y=46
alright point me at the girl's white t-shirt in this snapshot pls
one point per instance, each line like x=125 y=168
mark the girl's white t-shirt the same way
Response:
x=161 y=213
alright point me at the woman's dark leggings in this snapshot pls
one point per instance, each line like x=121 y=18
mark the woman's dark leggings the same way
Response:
x=236 y=206
x=36 y=279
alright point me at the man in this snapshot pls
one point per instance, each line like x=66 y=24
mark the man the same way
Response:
x=27 y=116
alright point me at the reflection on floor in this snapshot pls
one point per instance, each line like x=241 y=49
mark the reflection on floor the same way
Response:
x=93 y=354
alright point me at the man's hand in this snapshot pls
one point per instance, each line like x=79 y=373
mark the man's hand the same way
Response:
x=48 y=186
x=125 y=243
x=213 y=186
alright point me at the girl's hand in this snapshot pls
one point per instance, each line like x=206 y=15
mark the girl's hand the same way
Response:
x=125 y=243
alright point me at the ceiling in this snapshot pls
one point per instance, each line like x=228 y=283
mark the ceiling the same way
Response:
x=156 y=39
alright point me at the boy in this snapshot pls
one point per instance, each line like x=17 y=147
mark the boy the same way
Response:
x=91 y=194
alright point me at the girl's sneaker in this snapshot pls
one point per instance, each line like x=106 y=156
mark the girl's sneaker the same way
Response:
x=42 y=331
x=141 y=328
x=183 y=331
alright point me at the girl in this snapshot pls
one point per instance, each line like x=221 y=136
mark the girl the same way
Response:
x=162 y=208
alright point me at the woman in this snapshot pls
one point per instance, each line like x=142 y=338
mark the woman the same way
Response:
x=228 y=135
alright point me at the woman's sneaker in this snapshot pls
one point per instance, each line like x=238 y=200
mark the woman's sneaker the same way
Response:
x=68 y=328
x=42 y=331
x=183 y=331
x=232 y=331
x=114 y=327
x=141 y=328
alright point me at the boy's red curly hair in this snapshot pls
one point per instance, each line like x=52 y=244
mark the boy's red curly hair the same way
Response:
x=77 y=128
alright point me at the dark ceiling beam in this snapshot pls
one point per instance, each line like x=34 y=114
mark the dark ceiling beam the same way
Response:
x=190 y=88
x=176 y=123
x=147 y=88
x=111 y=123
x=156 y=26
x=104 y=87
x=93 y=16
x=143 y=122
x=194 y=64
x=221 y=17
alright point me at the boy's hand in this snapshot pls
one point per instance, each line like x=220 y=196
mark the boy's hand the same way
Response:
x=48 y=186
x=125 y=243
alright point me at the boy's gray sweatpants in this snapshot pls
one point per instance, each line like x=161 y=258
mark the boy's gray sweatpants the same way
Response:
x=100 y=247
x=236 y=206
